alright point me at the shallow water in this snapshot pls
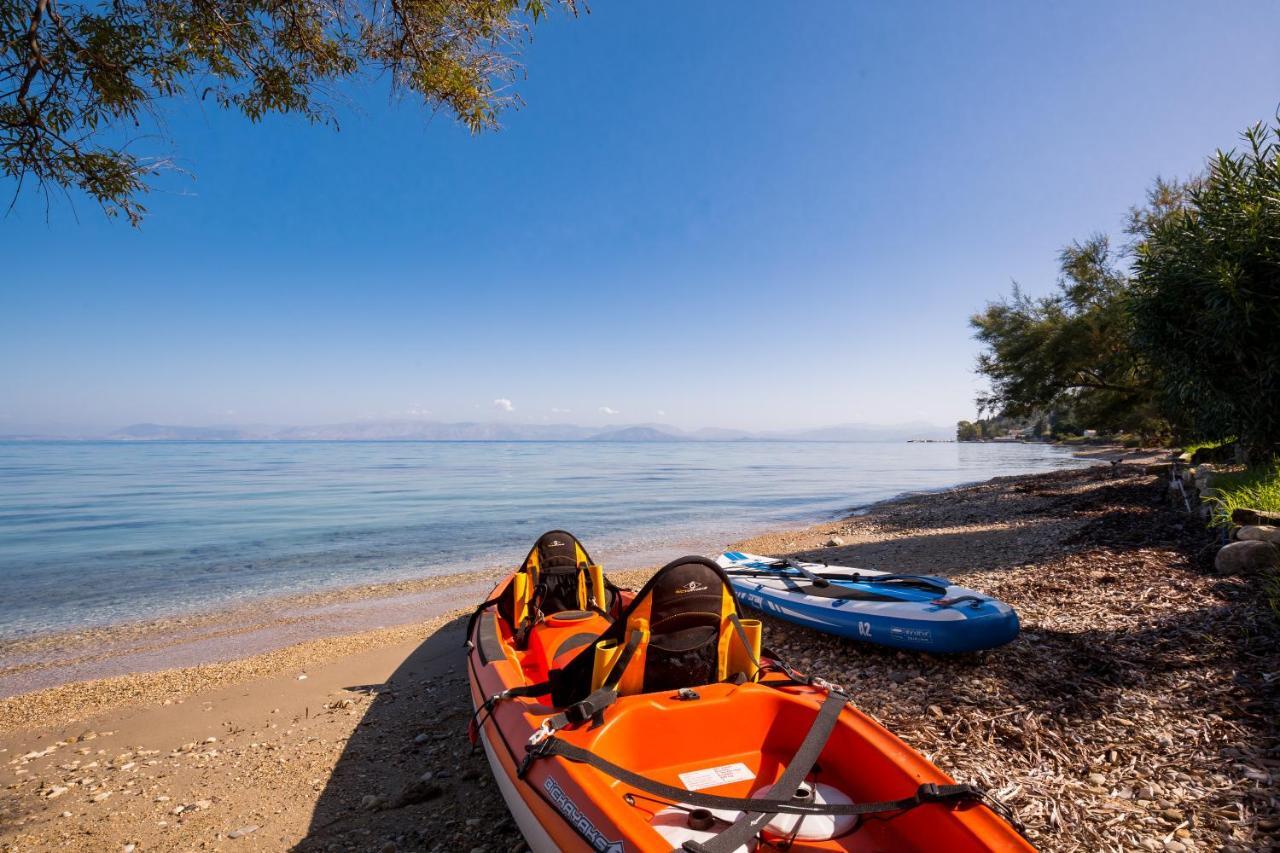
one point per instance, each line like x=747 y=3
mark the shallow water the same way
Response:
x=96 y=533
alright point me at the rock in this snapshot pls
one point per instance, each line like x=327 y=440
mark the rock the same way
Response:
x=242 y=832
x=211 y=740
x=416 y=792
x=66 y=814
x=370 y=802
x=834 y=541
x=162 y=799
x=427 y=777
x=55 y=792
x=422 y=738
x=473 y=821
x=1172 y=815
x=1246 y=557
x=897 y=676
x=1097 y=779
x=129 y=848
x=201 y=804
x=1260 y=533
x=389 y=847
x=98 y=798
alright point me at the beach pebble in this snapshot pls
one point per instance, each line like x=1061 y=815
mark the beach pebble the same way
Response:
x=98 y=798
x=55 y=791
x=128 y=848
x=66 y=814
x=242 y=832
x=370 y=802
x=423 y=738
x=834 y=541
x=1097 y=779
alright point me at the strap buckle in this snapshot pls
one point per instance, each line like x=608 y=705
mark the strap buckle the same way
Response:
x=930 y=793
x=829 y=686
x=539 y=735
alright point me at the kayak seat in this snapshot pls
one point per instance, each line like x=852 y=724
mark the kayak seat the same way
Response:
x=557 y=579
x=679 y=631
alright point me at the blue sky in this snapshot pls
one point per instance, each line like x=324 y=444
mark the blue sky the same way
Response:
x=709 y=214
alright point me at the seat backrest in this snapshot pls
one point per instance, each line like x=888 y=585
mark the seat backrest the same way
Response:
x=556 y=576
x=677 y=632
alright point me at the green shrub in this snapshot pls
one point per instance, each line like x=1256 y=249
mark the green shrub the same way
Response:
x=1253 y=488
x=1206 y=300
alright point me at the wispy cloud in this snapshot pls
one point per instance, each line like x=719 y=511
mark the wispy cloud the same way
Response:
x=605 y=410
x=557 y=411
x=503 y=404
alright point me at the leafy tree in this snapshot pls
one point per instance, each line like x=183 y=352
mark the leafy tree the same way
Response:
x=1070 y=350
x=77 y=81
x=967 y=431
x=1206 y=305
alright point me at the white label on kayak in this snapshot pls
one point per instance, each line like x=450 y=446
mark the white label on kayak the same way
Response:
x=696 y=780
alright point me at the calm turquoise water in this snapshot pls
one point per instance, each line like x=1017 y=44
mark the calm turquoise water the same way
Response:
x=98 y=533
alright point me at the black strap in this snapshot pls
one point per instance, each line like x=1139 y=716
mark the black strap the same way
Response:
x=927 y=793
x=816 y=580
x=590 y=708
x=751 y=823
x=487 y=706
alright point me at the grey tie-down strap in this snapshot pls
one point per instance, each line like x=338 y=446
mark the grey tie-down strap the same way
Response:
x=750 y=824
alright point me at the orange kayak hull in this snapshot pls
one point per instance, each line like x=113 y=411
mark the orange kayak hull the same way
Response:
x=741 y=735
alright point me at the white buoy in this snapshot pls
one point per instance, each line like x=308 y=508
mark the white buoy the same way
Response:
x=815 y=827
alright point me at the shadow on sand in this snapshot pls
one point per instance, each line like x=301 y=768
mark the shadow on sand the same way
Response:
x=377 y=797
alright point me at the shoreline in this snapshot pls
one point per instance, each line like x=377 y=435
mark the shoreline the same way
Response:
x=270 y=623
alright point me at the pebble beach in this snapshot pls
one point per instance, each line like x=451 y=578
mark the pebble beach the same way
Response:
x=1137 y=710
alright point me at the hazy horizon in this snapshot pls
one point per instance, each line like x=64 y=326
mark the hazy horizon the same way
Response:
x=923 y=429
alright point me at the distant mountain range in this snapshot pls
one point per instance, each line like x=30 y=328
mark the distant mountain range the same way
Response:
x=411 y=430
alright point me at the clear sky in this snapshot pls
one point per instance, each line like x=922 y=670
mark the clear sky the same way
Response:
x=710 y=214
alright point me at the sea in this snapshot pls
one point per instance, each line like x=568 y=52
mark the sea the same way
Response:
x=100 y=533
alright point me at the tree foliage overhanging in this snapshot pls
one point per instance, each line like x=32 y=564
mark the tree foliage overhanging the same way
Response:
x=1185 y=339
x=80 y=81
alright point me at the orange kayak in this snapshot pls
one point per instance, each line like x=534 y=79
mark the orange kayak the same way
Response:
x=651 y=721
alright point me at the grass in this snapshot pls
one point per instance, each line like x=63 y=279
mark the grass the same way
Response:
x=1213 y=444
x=1253 y=488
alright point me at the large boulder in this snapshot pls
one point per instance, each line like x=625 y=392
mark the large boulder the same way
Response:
x=1259 y=533
x=1247 y=557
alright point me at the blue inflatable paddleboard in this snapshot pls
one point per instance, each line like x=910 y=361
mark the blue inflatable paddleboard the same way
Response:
x=915 y=612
